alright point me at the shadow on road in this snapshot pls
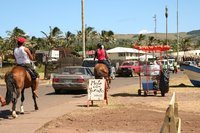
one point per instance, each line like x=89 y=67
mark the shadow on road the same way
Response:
x=5 y=114
x=182 y=85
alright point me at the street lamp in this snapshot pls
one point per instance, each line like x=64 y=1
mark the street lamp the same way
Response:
x=83 y=27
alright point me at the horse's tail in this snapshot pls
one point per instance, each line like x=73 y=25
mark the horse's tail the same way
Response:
x=11 y=88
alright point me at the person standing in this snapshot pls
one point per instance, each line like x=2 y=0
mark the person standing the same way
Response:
x=23 y=57
x=175 y=67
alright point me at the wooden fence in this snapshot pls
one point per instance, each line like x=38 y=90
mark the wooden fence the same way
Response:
x=172 y=123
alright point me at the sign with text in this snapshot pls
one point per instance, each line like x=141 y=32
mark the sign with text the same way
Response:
x=96 y=89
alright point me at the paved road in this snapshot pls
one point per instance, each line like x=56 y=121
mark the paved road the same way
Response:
x=50 y=104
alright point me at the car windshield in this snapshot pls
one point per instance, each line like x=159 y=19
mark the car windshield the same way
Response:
x=78 y=71
x=129 y=63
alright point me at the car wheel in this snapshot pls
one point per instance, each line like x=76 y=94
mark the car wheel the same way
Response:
x=139 y=92
x=57 y=91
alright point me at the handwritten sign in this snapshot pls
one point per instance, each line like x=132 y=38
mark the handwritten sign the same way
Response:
x=96 y=89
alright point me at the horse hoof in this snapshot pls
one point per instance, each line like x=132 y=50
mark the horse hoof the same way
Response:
x=36 y=108
x=14 y=115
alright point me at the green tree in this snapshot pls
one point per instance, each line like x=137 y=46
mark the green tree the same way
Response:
x=107 y=36
x=69 y=38
x=12 y=37
x=185 y=44
x=197 y=45
x=140 y=39
x=53 y=37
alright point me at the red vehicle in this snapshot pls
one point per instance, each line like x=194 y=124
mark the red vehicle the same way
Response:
x=129 y=68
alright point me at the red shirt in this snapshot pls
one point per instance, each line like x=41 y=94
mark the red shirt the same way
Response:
x=101 y=55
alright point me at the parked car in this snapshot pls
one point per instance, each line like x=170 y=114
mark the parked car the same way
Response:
x=129 y=68
x=90 y=63
x=168 y=63
x=72 y=78
x=151 y=69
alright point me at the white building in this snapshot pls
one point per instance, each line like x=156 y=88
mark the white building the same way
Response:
x=121 y=53
x=187 y=53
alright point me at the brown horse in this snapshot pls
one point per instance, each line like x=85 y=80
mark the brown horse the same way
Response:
x=101 y=71
x=16 y=81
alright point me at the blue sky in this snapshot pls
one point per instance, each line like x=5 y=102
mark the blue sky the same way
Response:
x=120 y=16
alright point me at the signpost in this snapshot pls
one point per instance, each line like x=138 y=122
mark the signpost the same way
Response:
x=97 y=90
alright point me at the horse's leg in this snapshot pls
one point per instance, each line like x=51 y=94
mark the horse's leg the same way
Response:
x=14 y=102
x=22 y=101
x=35 y=86
x=34 y=98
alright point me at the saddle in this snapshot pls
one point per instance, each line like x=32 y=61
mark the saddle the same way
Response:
x=32 y=72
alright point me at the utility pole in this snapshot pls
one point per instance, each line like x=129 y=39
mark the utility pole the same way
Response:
x=166 y=15
x=83 y=27
x=155 y=25
x=177 y=35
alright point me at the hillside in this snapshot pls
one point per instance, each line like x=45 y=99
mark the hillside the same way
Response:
x=194 y=35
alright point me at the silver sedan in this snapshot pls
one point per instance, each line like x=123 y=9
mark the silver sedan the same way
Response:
x=72 y=78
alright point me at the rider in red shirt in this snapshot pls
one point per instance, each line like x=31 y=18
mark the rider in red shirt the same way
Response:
x=102 y=57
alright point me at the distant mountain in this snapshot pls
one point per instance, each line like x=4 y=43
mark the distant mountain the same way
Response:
x=194 y=35
x=194 y=32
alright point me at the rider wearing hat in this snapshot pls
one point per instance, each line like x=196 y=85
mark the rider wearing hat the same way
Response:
x=102 y=56
x=24 y=58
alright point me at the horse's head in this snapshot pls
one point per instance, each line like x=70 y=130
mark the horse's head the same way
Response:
x=10 y=85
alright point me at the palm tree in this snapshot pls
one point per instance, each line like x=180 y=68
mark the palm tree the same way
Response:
x=197 y=45
x=151 y=39
x=79 y=37
x=12 y=36
x=107 y=36
x=93 y=36
x=185 y=44
x=70 y=38
x=53 y=36
x=141 y=38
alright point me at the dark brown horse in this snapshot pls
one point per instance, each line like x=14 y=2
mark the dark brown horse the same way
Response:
x=101 y=71
x=17 y=80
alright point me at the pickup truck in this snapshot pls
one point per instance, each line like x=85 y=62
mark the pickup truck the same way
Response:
x=129 y=68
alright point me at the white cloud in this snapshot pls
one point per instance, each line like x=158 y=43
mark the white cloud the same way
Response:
x=145 y=32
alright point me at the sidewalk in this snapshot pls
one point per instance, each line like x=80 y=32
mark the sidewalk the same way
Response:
x=29 y=123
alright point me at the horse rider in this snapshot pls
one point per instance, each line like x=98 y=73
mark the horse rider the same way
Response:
x=102 y=57
x=2 y=100
x=23 y=57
